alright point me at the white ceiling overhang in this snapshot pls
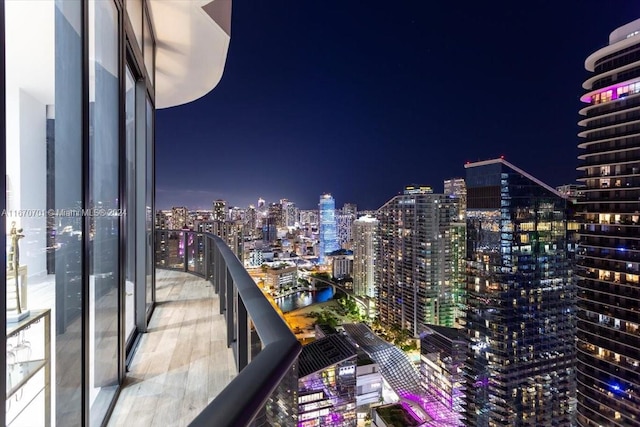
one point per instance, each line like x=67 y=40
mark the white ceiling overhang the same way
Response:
x=192 y=40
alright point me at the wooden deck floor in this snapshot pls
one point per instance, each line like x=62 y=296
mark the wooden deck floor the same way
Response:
x=183 y=362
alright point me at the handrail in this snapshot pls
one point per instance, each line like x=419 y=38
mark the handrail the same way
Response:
x=243 y=398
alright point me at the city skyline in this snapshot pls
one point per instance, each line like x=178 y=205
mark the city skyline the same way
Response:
x=414 y=90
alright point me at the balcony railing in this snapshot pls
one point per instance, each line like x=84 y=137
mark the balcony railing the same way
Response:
x=264 y=347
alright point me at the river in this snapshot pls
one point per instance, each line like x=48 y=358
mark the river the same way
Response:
x=303 y=299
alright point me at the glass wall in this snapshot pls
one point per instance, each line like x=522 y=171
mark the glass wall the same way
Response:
x=71 y=165
x=44 y=173
x=104 y=204
x=130 y=211
x=148 y=205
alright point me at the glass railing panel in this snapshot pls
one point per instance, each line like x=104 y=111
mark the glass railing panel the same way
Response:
x=191 y=243
x=255 y=345
x=170 y=249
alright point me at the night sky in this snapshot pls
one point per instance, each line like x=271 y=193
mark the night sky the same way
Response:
x=360 y=98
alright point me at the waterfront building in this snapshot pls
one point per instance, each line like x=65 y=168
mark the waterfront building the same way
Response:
x=328 y=241
x=414 y=263
x=608 y=255
x=281 y=277
x=520 y=318
x=365 y=243
x=341 y=263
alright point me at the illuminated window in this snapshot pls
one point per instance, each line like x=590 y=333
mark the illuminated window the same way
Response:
x=601 y=97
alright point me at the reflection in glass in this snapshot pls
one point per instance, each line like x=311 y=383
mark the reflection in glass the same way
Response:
x=149 y=206
x=104 y=223
x=148 y=50
x=130 y=247
x=43 y=168
x=134 y=10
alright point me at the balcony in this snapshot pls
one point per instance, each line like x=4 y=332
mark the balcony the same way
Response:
x=216 y=350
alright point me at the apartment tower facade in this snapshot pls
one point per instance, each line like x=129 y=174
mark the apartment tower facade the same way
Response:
x=365 y=242
x=520 y=319
x=328 y=227
x=413 y=261
x=608 y=257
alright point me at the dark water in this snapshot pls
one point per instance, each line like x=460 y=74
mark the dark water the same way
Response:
x=304 y=299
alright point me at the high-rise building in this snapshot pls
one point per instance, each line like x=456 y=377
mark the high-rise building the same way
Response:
x=250 y=222
x=309 y=217
x=269 y=229
x=350 y=208
x=455 y=236
x=341 y=263
x=261 y=212
x=219 y=210
x=179 y=218
x=443 y=353
x=365 y=242
x=276 y=214
x=456 y=188
x=328 y=233
x=413 y=262
x=229 y=231
x=608 y=256
x=521 y=300
x=290 y=213
x=236 y=213
x=163 y=220
x=344 y=225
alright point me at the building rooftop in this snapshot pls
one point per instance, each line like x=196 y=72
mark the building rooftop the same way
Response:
x=326 y=329
x=364 y=359
x=323 y=353
x=502 y=161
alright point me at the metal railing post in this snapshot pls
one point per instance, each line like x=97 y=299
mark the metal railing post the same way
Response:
x=207 y=257
x=243 y=336
x=221 y=279
x=185 y=240
x=230 y=310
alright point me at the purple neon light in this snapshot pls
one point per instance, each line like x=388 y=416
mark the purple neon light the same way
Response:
x=613 y=88
x=411 y=412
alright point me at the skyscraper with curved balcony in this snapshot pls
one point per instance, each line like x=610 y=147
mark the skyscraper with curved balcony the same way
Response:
x=608 y=257
x=328 y=232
